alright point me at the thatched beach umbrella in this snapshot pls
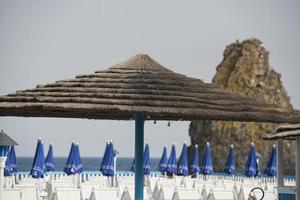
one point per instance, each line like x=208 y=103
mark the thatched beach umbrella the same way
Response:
x=287 y=132
x=141 y=89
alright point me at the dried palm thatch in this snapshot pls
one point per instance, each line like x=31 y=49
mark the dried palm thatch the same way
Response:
x=287 y=131
x=138 y=84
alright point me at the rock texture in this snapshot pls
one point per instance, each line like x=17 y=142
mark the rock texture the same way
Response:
x=245 y=69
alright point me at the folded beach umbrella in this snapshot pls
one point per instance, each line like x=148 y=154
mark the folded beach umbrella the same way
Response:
x=172 y=165
x=230 y=165
x=251 y=165
x=104 y=156
x=70 y=167
x=207 y=165
x=49 y=162
x=163 y=161
x=147 y=160
x=271 y=169
x=11 y=162
x=195 y=168
x=182 y=168
x=38 y=167
x=108 y=165
x=146 y=167
x=79 y=165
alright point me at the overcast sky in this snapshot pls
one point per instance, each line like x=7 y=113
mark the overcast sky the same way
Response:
x=44 y=41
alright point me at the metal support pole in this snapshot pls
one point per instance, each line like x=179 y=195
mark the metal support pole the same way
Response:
x=280 y=163
x=139 y=157
x=298 y=168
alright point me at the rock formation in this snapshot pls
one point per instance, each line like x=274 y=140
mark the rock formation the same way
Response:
x=245 y=69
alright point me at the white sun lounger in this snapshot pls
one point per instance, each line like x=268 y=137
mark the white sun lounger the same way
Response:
x=12 y=194
x=30 y=193
x=104 y=194
x=186 y=194
x=66 y=194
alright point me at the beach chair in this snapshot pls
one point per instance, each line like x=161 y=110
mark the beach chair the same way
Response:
x=86 y=189
x=66 y=194
x=126 y=195
x=12 y=194
x=211 y=195
x=223 y=194
x=147 y=192
x=165 y=192
x=30 y=193
x=104 y=194
x=241 y=194
x=186 y=194
x=270 y=195
x=54 y=185
x=155 y=192
x=204 y=193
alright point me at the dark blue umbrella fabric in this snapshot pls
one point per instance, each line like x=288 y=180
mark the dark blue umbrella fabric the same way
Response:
x=147 y=160
x=79 y=165
x=49 y=162
x=183 y=169
x=207 y=165
x=133 y=165
x=163 y=161
x=251 y=165
x=38 y=167
x=11 y=162
x=104 y=155
x=108 y=165
x=195 y=168
x=271 y=169
x=172 y=165
x=230 y=165
x=71 y=167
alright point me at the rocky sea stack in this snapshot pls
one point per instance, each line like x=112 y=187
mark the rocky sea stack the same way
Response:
x=245 y=69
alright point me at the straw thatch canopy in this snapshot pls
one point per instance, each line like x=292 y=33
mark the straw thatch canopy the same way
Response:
x=138 y=84
x=288 y=132
x=5 y=140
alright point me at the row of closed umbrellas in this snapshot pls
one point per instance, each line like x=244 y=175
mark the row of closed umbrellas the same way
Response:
x=183 y=168
x=171 y=166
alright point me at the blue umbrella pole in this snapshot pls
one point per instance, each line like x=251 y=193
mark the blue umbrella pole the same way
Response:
x=139 y=157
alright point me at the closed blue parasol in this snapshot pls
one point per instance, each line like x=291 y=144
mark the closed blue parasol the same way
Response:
x=79 y=165
x=207 y=165
x=172 y=165
x=104 y=156
x=49 y=162
x=251 y=165
x=70 y=167
x=11 y=162
x=108 y=165
x=195 y=168
x=183 y=162
x=38 y=167
x=163 y=161
x=271 y=169
x=230 y=165
x=147 y=160
x=146 y=166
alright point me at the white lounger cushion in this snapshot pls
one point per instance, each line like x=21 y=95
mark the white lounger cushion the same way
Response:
x=66 y=194
x=186 y=194
x=30 y=193
x=12 y=194
x=104 y=194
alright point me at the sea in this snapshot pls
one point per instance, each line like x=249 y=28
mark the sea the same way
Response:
x=89 y=163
